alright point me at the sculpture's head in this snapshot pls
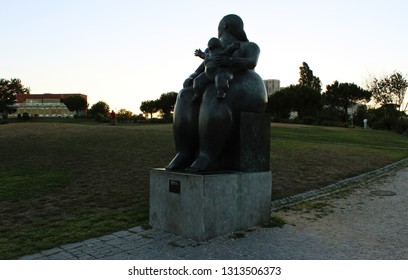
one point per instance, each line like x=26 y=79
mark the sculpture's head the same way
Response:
x=233 y=25
x=214 y=44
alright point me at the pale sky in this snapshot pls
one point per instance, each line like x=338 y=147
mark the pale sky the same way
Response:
x=124 y=52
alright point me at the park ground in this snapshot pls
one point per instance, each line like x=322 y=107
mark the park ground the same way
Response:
x=67 y=182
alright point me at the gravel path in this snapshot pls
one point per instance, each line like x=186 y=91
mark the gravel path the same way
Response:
x=367 y=221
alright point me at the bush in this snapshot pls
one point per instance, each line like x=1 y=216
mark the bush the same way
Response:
x=138 y=118
x=389 y=123
x=329 y=116
x=99 y=117
x=25 y=117
x=402 y=126
x=309 y=120
x=379 y=125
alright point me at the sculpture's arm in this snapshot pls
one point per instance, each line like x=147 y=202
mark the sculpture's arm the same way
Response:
x=189 y=81
x=199 y=53
x=232 y=48
x=247 y=59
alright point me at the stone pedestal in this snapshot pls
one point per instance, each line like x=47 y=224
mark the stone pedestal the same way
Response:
x=203 y=206
x=248 y=149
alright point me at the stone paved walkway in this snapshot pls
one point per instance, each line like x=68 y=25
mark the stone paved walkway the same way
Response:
x=357 y=224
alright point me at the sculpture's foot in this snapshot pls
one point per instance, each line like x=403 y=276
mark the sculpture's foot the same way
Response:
x=180 y=161
x=201 y=164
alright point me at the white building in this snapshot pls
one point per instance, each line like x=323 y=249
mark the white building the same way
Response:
x=45 y=105
x=272 y=86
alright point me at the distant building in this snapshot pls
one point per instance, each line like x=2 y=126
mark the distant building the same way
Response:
x=272 y=86
x=46 y=105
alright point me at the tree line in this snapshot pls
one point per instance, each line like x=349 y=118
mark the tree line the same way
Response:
x=164 y=104
x=9 y=89
x=332 y=106
x=311 y=104
x=100 y=111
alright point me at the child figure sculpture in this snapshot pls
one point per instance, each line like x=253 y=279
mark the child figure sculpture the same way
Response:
x=214 y=73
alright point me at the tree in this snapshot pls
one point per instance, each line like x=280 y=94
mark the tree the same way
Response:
x=9 y=89
x=124 y=115
x=308 y=79
x=149 y=107
x=75 y=103
x=389 y=90
x=303 y=99
x=101 y=108
x=344 y=95
x=306 y=101
x=279 y=104
x=166 y=104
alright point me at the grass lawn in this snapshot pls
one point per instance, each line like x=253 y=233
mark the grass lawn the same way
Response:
x=309 y=157
x=65 y=182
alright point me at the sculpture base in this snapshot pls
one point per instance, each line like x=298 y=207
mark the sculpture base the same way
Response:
x=201 y=207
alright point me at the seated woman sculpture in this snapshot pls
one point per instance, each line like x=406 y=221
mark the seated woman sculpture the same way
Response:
x=205 y=132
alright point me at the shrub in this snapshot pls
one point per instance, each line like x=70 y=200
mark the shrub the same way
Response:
x=99 y=117
x=25 y=117
x=138 y=118
x=309 y=120
x=402 y=126
x=379 y=124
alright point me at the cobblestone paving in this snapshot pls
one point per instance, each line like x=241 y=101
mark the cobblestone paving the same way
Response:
x=358 y=226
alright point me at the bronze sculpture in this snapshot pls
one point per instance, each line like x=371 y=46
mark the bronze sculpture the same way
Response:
x=205 y=132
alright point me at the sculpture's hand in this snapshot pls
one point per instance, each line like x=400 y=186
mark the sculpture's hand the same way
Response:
x=222 y=60
x=189 y=81
x=199 y=53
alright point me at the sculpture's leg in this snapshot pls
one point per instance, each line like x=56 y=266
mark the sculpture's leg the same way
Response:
x=215 y=126
x=222 y=83
x=185 y=130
